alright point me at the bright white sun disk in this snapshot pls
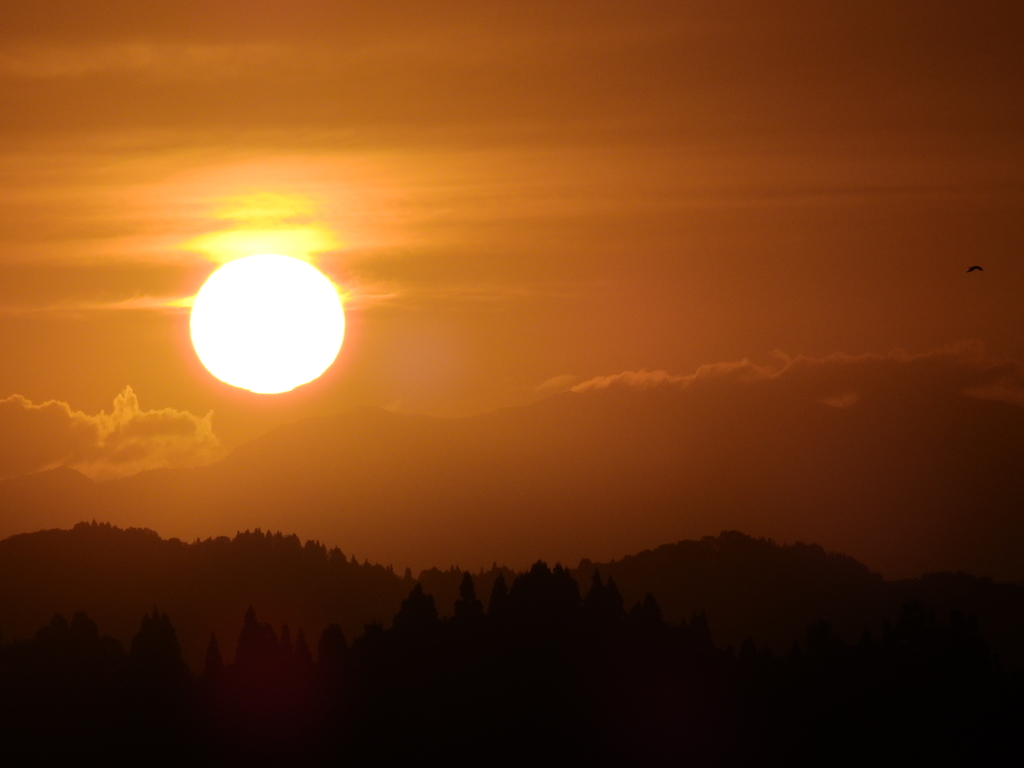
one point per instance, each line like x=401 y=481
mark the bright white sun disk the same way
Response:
x=267 y=323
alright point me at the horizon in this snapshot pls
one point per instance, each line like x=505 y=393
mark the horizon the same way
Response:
x=818 y=450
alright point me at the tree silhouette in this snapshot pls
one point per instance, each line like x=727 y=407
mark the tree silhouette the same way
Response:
x=258 y=646
x=418 y=614
x=467 y=607
x=544 y=675
x=646 y=613
x=155 y=655
x=603 y=603
x=213 y=667
x=498 y=605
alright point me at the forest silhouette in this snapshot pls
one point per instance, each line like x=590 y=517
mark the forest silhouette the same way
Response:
x=548 y=665
x=748 y=587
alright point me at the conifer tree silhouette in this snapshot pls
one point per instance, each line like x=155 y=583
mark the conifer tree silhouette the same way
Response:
x=418 y=613
x=155 y=655
x=544 y=598
x=258 y=646
x=160 y=683
x=467 y=607
x=213 y=667
x=603 y=603
x=497 y=606
x=646 y=614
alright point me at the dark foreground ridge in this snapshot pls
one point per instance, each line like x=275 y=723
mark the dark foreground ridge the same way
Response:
x=747 y=587
x=541 y=675
x=724 y=651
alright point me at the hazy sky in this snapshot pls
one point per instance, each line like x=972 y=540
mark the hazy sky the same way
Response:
x=515 y=197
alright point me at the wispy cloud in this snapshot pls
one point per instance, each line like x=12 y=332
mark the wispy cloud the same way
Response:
x=410 y=295
x=141 y=303
x=842 y=380
x=38 y=436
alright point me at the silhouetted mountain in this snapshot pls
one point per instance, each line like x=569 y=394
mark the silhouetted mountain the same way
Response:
x=906 y=482
x=118 y=575
x=754 y=588
x=748 y=588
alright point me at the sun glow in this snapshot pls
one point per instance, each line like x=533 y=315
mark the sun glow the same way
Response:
x=233 y=244
x=265 y=222
x=267 y=323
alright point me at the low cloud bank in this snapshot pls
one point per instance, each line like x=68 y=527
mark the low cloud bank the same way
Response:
x=35 y=437
x=842 y=380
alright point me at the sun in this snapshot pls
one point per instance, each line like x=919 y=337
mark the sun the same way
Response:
x=267 y=323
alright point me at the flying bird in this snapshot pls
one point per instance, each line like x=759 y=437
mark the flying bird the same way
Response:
x=975 y=268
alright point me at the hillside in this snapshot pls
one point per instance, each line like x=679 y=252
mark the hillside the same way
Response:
x=118 y=575
x=905 y=483
x=747 y=587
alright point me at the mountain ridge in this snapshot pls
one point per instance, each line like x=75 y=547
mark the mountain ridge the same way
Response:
x=747 y=587
x=599 y=475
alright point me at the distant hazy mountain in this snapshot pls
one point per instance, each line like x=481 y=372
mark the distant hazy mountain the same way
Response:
x=747 y=587
x=905 y=482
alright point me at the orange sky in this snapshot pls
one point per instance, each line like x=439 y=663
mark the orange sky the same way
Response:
x=510 y=194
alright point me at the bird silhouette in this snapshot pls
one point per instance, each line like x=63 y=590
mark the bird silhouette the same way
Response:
x=975 y=268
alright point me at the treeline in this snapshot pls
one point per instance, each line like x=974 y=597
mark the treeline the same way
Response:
x=748 y=587
x=540 y=674
x=754 y=587
x=116 y=575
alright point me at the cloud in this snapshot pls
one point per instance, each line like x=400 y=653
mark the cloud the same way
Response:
x=642 y=379
x=361 y=293
x=842 y=380
x=35 y=437
x=556 y=384
x=134 y=304
x=841 y=400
